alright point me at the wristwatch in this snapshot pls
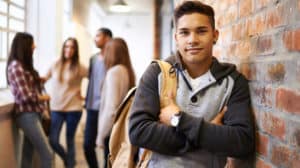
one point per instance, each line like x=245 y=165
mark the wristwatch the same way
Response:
x=175 y=118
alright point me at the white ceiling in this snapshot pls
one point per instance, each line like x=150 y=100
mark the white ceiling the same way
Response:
x=136 y=6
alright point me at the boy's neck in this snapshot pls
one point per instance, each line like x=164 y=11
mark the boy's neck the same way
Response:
x=196 y=70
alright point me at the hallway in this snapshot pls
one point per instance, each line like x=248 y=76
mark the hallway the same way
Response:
x=260 y=37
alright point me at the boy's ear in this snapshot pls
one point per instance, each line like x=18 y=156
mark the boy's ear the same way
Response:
x=175 y=36
x=216 y=36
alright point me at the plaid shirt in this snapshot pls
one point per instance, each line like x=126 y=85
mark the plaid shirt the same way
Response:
x=24 y=89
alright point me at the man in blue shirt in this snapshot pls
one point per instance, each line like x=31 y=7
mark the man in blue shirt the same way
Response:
x=92 y=102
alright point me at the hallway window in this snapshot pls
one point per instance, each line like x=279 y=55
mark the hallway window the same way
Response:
x=12 y=20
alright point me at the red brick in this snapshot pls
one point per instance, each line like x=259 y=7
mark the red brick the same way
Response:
x=275 y=17
x=239 y=31
x=267 y=96
x=296 y=160
x=217 y=52
x=256 y=117
x=264 y=95
x=225 y=36
x=296 y=137
x=293 y=138
x=236 y=32
x=282 y=156
x=244 y=49
x=230 y=2
x=221 y=6
x=262 y=164
x=298 y=71
x=291 y=40
x=249 y=27
x=257 y=95
x=231 y=14
x=216 y=8
x=273 y=125
x=247 y=71
x=264 y=44
x=262 y=3
x=219 y=20
x=245 y=8
x=288 y=100
x=262 y=143
x=259 y=24
x=227 y=17
x=232 y=50
x=276 y=72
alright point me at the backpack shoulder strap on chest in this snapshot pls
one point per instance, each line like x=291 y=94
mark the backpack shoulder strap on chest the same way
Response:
x=168 y=82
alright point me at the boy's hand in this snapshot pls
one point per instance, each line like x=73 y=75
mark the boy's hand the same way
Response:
x=167 y=112
x=219 y=117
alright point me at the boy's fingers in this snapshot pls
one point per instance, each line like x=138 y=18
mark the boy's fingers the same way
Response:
x=224 y=109
x=222 y=113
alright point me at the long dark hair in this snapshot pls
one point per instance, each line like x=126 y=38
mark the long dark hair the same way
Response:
x=74 y=59
x=22 y=50
x=116 y=52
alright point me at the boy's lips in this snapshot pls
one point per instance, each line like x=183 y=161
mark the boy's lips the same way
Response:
x=193 y=50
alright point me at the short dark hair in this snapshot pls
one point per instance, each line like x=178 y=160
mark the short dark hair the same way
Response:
x=106 y=31
x=189 y=7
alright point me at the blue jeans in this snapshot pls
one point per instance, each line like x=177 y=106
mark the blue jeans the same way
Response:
x=106 y=151
x=90 y=135
x=72 y=119
x=34 y=138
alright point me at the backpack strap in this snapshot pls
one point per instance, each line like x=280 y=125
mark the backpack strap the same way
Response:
x=168 y=83
x=168 y=86
x=129 y=94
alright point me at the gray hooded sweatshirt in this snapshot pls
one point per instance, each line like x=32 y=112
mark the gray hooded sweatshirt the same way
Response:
x=195 y=142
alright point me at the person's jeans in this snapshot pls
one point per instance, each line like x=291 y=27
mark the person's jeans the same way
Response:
x=72 y=119
x=90 y=135
x=106 y=151
x=34 y=138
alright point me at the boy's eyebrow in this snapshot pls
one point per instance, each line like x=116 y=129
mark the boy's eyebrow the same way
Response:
x=200 y=27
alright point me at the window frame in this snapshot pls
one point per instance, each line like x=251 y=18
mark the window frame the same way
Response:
x=7 y=30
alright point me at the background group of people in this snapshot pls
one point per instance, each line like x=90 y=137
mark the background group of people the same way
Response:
x=110 y=75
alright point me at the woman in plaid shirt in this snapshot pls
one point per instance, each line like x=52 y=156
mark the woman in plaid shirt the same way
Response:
x=26 y=87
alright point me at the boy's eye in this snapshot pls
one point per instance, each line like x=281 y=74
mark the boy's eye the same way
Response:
x=202 y=31
x=183 y=32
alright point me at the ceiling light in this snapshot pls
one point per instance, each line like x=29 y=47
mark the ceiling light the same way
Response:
x=120 y=6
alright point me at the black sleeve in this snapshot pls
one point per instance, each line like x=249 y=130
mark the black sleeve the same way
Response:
x=145 y=130
x=236 y=137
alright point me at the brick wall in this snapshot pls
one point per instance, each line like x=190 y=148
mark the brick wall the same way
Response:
x=262 y=37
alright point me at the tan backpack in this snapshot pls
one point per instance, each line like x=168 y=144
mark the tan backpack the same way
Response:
x=121 y=152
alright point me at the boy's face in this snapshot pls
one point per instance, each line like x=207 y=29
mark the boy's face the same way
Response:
x=195 y=38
